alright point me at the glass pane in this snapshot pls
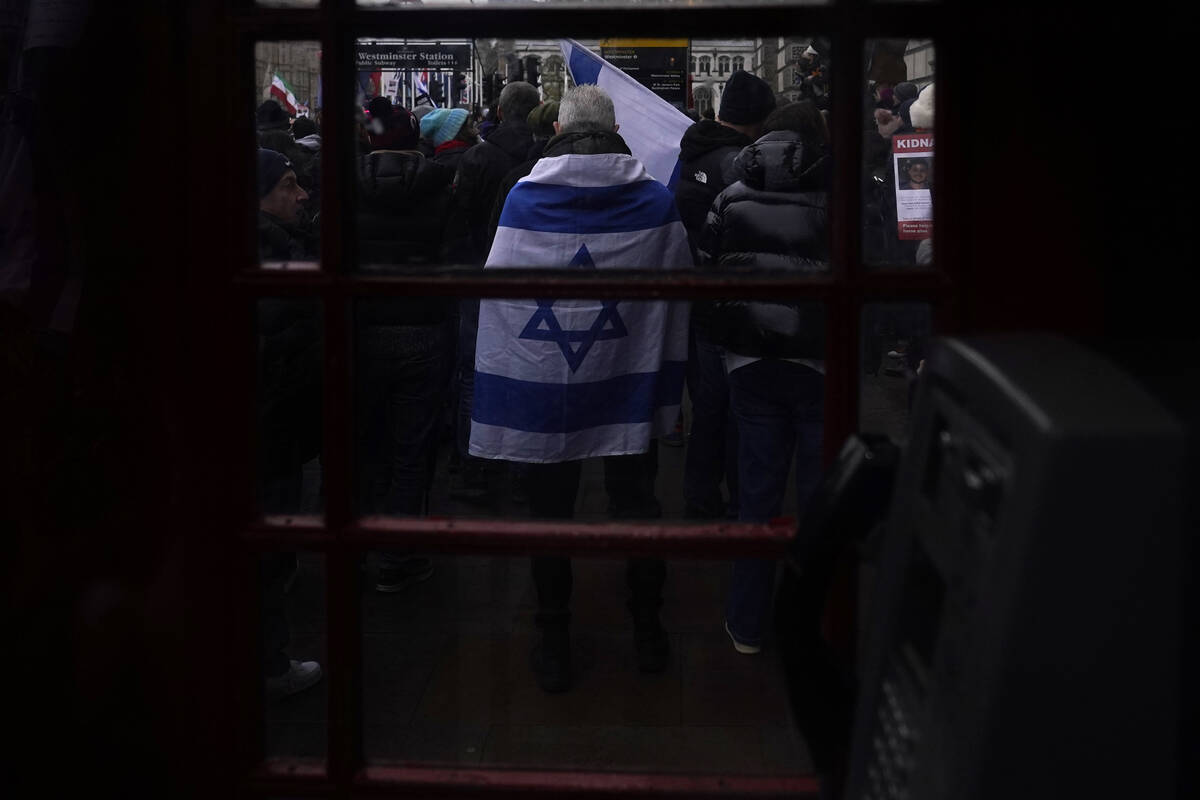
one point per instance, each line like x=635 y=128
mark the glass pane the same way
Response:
x=590 y=410
x=450 y=675
x=294 y=653
x=893 y=347
x=898 y=153
x=287 y=116
x=290 y=352
x=456 y=138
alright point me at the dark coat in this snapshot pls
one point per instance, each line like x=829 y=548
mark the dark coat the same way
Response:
x=404 y=203
x=282 y=241
x=480 y=171
x=510 y=180
x=706 y=156
x=775 y=217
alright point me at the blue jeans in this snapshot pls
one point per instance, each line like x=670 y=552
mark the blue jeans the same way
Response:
x=780 y=408
x=712 y=444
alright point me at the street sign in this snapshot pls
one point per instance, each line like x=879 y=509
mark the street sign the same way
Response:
x=658 y=64
x=397 y=56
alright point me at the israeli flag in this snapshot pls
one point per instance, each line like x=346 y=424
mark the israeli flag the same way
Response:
x=560 y=380
x=651 y=126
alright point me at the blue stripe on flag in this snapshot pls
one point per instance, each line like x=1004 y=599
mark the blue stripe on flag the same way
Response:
x=584 y=67
x=551 y=208
x=565 y=408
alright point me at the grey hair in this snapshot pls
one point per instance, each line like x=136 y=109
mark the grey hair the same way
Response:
x=517 y=99
x=586 y=108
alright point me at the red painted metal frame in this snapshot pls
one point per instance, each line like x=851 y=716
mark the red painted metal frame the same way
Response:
x=342 y=538
x=525 y=537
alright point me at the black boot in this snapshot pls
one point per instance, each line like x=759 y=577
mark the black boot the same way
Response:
x=551 y=660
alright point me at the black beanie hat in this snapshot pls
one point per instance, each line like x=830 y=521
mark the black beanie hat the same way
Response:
x=747 y=99
x=905 y=91
x=270 y=116
x=271 y=166
x=303 y=127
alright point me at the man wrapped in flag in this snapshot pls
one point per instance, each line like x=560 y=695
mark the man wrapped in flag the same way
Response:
x=558 y=381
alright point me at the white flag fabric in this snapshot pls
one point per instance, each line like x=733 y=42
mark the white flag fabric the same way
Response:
x=560 y=380
x=651 y=126
x=283 y=93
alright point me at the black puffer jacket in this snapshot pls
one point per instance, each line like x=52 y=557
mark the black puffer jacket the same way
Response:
x=775 y=217
x=706 y=156
x=404 y=201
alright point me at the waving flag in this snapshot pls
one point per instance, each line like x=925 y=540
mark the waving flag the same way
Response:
x=420 y=84
x=651 y=126
x=284 y=94
x=559 y=380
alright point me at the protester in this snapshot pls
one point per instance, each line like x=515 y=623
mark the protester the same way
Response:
x=706 y=163
x=476 y=184
x=776 y=216
x=531 y=354
x=450 y=132
x=404 y=345
x=289 y=410
x=281 y=235
x=541 y=123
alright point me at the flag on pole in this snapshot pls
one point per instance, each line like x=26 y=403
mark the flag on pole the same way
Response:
x=651 y=126
x=560 y=380
x=284 y=94
x=420 y=83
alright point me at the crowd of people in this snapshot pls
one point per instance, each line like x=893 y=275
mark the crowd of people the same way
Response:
x=554 y=185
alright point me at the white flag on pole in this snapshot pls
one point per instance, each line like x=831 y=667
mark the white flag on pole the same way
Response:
x=651 y=126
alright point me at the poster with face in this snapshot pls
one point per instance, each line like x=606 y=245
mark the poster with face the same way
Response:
x=912 y=156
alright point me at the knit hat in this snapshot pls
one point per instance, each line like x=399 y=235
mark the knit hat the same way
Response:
x=303 y=127
x=392 y=127
x=270 y=116
x=541 y=120
x=922 y=110
x=271 y=167
x=905 y=91
x=419 y=111
x=747 y=99
x=442 y=124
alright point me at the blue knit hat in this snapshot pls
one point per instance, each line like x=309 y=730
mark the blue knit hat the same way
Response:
x=442 y=124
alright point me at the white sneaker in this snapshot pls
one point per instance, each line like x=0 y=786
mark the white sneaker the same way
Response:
x=744 y=649
x=300 y=676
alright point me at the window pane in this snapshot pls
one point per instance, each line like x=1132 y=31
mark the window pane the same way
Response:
x=449 y=676
x=893 y=339
x=898 y=153
x=290 y=350
x=431 y=194
x=293 y=653
x=591 y=410
x=287 y=114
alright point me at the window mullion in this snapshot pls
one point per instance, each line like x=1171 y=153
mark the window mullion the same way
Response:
x=344 y=612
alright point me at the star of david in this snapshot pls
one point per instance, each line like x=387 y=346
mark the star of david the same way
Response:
x=544 y=326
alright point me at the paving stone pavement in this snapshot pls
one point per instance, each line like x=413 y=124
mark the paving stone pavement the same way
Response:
x=445 y=664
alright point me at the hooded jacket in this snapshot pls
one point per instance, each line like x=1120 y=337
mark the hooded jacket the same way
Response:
x=775 y=217
x=706 y=156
